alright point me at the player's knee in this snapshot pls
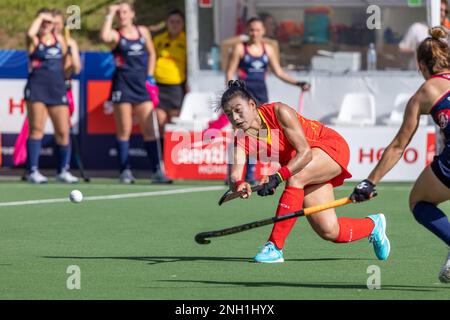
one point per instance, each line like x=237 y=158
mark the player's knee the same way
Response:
x=147 y=135
x=413 y=200
x=328 y=233
x=328 y=236
x=36 y=133
x=123 y=135
x=412 y=205
x=62 y=138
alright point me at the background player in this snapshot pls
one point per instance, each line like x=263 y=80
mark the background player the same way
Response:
x=432 y=186
x=313 y=160
x=171 y=69
x=129 y=94
x=45 y=94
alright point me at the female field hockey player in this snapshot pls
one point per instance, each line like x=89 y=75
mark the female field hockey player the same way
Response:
x=251 y=61
x=45 y=94
x=432 y=187
x=313 y=160
x=131 y=44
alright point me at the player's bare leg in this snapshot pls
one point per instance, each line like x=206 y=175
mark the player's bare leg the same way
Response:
x=423 y=202
x=124 y=123
x=312 y=182
x=61 y=122
x=37 y=116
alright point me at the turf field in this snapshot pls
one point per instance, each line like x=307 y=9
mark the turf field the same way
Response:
x=140 y=245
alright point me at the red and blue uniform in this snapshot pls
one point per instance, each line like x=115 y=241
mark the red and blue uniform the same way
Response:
x=440 y=113
x=253 y=70
x=46 y=80
x=128 y=82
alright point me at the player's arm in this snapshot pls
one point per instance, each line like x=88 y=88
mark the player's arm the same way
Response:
x=395 y=149
x=150 y=49
x=280 y=73
x=32 y=32
x=416 y=106
x=74 y=56
x=107 y=33
x=66 y=58
x=292 y=129
x=237 y=171
x=233 y=62
x=157 y=27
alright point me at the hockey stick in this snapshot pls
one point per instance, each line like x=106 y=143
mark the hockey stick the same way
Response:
x=230 y=195
x=158 y=141
x=201 y=238
x=77 y=156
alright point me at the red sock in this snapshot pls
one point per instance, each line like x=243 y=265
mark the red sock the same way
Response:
x=290 y=201
x=351 y=229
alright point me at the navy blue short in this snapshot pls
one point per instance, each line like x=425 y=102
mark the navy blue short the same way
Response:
x=171 y=96
x=129 y=88
x=259 y=90
x=50 y=94
x=441 y=166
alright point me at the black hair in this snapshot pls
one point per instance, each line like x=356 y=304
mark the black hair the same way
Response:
x=254 y=19
x=176 y=12
x=264 y=16
x=236 y=88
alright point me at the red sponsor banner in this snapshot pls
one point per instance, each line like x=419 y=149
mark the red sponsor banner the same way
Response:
x=372 y=155
x=431 y=147
x=100 y=117
x=205 y=3
x=191 y=155
x=20 y=106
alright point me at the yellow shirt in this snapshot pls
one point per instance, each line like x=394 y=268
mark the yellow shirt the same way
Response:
x=170 y=58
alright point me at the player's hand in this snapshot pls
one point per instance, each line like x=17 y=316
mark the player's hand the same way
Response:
x=151 y=80
x=270 y=186
x=243 y=186
x=68 y=84
x=305 y=86
x=45 y=16
x=365 y=190
x=112 y=10
x=264 y=179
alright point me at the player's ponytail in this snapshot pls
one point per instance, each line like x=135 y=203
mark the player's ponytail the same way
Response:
x=236 y=88
x=434 y=51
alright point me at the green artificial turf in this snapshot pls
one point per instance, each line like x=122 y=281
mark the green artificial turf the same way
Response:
x=143 y=247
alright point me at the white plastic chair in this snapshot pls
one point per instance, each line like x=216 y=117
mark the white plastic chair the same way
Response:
x=197 y=110
x=396 y=116
x=357 y=109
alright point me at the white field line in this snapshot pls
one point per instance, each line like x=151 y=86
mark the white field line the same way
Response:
x=114 y=196
x=86 y=186
x=378 y=188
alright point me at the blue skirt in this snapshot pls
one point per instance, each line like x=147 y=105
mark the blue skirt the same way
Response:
x=129 y=87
